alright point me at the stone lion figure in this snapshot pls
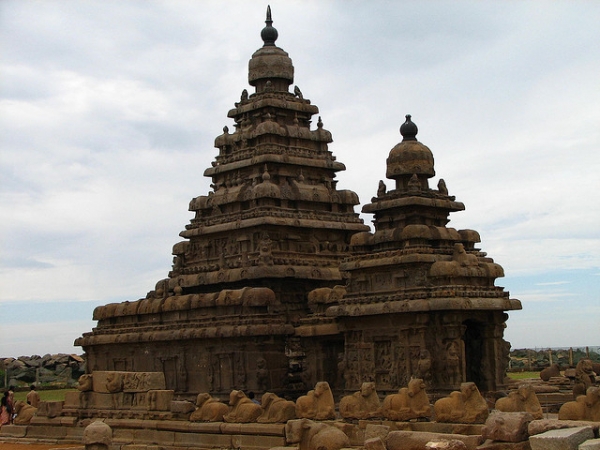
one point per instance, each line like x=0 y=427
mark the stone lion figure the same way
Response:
x=208 y=409
x=464 y=406
x=363 y=404
x=585 y=407
x=242 y=409
x=316 y=404
x=276 y=409
x=523 y=399
x=24 y=413
x=409 y=403
x=85 y=383
x=584 y=377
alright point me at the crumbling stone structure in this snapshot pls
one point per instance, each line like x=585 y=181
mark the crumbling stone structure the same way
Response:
x=279 y=284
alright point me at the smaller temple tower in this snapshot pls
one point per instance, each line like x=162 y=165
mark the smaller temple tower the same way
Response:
x=421 y=300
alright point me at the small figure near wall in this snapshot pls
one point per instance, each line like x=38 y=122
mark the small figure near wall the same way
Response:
x=363 y=404
x=466 y=406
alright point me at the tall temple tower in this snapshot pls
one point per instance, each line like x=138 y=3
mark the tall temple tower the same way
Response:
x=278 y=283
x=273 y=228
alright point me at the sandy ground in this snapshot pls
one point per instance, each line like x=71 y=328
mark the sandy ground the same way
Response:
x=13 y=446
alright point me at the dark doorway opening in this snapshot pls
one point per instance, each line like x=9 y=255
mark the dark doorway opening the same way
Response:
x=474 y=353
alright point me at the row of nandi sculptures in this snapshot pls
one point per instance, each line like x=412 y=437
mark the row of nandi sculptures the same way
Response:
x=102 y=392
x=409 y=403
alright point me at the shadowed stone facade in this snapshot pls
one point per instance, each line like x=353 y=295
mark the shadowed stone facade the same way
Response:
x=279 y=284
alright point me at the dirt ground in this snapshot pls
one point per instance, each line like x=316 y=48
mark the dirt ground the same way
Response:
x=13 y=446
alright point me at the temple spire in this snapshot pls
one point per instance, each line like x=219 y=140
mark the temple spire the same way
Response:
x=269 y=33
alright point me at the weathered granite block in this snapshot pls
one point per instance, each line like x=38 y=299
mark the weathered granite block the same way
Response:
x=376 y=431
x=590 y=444
x=157 y=437
x=72 y=399
x=565 y=439
x=495 y=445
x=507 y=426
x=415 y=440
x=206 y=427
x=50 y=409
x=208 y=440
x=159 y=400
x=452 y=444
x=17 y=431
x=375 y=443
x=46 y=432
x=541 y=426
x=182 y=407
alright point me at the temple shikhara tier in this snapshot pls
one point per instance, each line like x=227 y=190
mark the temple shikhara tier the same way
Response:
x=278 y=283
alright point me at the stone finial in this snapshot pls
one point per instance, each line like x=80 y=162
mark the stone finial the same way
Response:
x=269 y=33
x=409 y=129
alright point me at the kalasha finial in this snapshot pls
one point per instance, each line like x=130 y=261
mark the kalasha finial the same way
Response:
x=408 y=130
x=269 y=33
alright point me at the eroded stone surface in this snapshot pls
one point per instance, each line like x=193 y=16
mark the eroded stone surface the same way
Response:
x=507 y=426
x=564 y=439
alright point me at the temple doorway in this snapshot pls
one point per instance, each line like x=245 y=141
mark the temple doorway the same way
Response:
x=474 y=353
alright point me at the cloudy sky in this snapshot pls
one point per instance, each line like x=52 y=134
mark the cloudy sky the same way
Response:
x=109 y=110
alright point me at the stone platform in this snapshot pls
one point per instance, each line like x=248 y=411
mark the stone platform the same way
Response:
x=182 y=434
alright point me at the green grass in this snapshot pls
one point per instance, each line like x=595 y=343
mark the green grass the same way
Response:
x=523 y=375
x=47 y=396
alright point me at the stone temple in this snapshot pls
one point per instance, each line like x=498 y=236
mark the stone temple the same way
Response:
x=278 y=283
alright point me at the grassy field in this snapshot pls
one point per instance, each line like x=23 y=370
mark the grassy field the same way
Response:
x=47 y=396
x=523 y=375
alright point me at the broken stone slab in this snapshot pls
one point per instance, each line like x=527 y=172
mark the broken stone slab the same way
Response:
x=563 y=439
x=496 y=445
x=541 y=426
x=182 y=407
x=416 y=440
x=590 y=444
x=13 y=431
x=375 y=443
x=376 y=431
x=452 y=444
x=507 y=426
